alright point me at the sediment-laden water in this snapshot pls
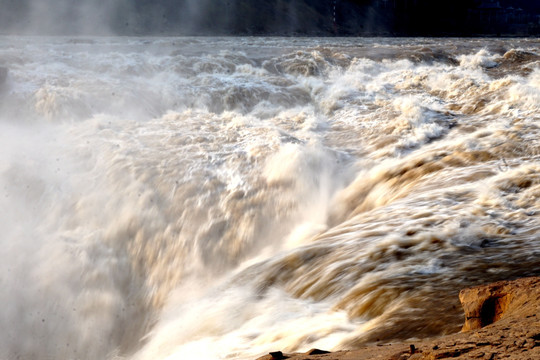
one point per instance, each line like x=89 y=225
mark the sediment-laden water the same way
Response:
x=216 y=198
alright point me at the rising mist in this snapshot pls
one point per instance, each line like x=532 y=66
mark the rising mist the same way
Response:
x=269 y=17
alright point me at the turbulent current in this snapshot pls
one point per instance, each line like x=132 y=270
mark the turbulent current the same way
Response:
x=219 y=198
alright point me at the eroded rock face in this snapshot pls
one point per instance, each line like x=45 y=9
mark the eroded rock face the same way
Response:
x=504 y=318
x=484 y=305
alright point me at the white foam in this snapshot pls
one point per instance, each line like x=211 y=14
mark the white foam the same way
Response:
x=164 y=198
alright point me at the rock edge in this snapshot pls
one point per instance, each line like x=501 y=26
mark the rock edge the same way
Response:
x=502 y=320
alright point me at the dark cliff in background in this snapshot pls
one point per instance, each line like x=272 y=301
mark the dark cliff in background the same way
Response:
x=272 y=17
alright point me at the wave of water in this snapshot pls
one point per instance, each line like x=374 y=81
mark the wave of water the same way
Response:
x=224 y=197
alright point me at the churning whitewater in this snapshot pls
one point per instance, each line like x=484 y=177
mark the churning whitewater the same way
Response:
x=219 y=198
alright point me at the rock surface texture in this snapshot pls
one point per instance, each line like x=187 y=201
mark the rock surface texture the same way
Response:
x=502 y=321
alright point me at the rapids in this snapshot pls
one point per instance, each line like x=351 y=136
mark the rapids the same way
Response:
x=219 y=198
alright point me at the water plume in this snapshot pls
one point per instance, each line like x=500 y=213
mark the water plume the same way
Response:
x=228 y=196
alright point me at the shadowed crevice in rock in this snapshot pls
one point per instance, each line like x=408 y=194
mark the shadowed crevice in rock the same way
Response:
x=493 y=309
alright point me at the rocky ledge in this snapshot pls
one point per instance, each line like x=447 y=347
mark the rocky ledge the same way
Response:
x=502 y=321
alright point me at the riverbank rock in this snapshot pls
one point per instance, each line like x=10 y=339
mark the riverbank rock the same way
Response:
x=484 y=305
x=502 y=321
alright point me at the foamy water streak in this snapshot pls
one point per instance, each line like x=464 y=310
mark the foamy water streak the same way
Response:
x=221 y=198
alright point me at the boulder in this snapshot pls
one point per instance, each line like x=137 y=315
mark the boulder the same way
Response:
x=487 y=304
x=275 y=355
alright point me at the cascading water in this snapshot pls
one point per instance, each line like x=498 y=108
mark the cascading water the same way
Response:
x=223 y=197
